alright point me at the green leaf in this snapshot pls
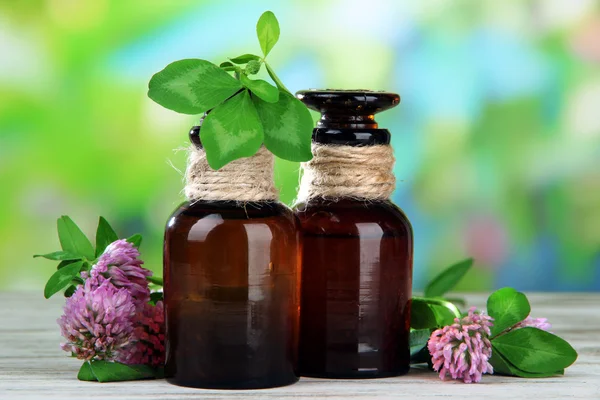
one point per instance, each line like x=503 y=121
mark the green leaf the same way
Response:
x=105 y=235
x=227 y=66
x=192 y=86
x=534 y=350
x=446 y=280
x=232 y=130
x=262 y=89
x=64 y=263
x=421 y=315
x=276 y=79
x=70 y=290
x=106 y=371
x=135 y=240
x=267 y=30
x=418 y=339
x=59 y=255
x=504 y=367
x=72 y=238
x=458 y=302
x=432 y=313
x=444 y=314
x=244 y=58
x=508 y=307
x=155 y=297
x=86 y=373
x=418 y=346
x=156 y=280
x=287 y=127
x=62 y=278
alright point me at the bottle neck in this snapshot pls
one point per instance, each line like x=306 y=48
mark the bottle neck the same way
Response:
x=248 y=179
x=348 y=172
x=345 y=121
x=351 y=136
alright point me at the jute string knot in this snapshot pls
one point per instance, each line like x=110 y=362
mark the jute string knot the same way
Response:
x=244 y=180
x=336 y=172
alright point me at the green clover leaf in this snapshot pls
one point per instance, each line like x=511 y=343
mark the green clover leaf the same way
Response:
x=192 y=86
x=232 y=130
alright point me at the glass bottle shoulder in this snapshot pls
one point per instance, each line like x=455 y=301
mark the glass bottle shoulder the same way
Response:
x=208 y=215
x=352 y=218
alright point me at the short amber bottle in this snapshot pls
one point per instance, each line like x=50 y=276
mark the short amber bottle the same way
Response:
x=232 y=295
x=356 y=259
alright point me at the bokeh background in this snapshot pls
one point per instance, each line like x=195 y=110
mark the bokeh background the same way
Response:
x=497 y=136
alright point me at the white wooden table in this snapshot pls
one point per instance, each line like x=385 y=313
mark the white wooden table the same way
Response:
x=32 y=366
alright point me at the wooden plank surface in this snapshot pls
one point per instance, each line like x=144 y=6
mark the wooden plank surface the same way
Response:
x=32 y=366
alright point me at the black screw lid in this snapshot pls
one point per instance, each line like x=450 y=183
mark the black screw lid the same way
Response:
x=347 y=116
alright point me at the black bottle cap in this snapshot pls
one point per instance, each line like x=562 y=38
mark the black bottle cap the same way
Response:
x=195 y=136
x=195 y=132
x=348 y=116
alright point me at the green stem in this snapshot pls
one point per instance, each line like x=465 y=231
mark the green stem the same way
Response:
x=155 y=280
x=275 y=78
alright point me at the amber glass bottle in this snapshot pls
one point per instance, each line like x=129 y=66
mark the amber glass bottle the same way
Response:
x=356 y=258
x=232 y=295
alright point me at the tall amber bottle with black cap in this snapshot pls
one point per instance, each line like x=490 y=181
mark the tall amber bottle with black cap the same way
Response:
x=357 y=245
x=231 y=271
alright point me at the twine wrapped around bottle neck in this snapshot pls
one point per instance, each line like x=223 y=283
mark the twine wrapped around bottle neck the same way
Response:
x=245 y=180
x=355 y=172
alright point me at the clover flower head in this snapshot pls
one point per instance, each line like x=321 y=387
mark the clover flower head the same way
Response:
x=121 y=264
x=148 y=344
x=97 y=321
x=462 y=350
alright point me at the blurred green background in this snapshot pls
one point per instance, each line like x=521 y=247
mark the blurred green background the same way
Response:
x=497 y=137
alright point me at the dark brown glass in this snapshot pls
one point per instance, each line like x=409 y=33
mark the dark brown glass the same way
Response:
x=356 y=259
x=357 y=279
x=232 y=295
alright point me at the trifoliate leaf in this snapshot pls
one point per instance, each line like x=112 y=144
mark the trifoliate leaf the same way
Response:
x=508 y=307
x=267 y=30
x=448 y=278
x=504 y=367
x=192 y=86
x=62 y=278
x=72 y=239
x=105 y=235
x=262 y=89
x=232 y=130
x=534 y=350
x=288 y=127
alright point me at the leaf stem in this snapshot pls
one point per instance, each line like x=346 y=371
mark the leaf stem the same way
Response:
x=155 y=280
